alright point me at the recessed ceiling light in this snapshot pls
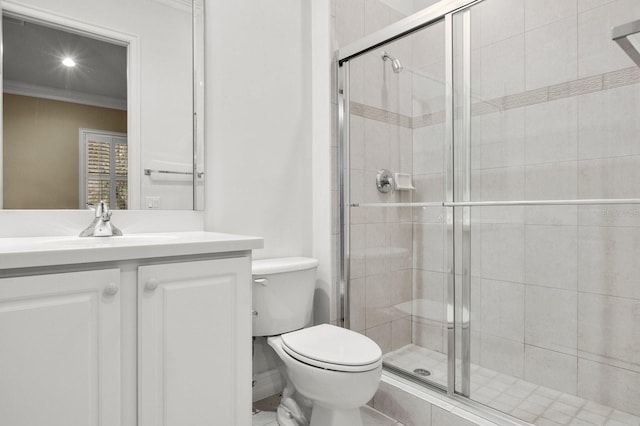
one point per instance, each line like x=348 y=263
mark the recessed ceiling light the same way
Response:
x=68 y=62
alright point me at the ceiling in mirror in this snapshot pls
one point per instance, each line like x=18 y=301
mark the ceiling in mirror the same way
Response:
x=99 y=104
x=34 y=55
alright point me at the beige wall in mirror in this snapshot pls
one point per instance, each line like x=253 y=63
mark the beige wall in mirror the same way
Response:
x=41 y=149
x=143 y=88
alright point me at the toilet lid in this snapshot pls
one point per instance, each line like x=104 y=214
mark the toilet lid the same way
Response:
x=333 y=348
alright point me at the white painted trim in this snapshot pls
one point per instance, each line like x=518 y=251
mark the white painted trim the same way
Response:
x=321 y=154
x=133 y=77
x=25 y=89
x=267 y=383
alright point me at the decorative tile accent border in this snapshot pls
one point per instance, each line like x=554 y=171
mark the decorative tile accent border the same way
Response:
x=582 y=86
x=373 y=113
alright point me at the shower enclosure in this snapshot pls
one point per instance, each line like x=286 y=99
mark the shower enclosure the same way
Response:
x=490 y=205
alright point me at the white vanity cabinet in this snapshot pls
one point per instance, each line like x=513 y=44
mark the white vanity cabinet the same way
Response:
x=194 y=343
x=139 y=331
x=60 y=349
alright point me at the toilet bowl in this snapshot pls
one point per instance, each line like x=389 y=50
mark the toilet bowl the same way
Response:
x=338 y=370
x=329 y=371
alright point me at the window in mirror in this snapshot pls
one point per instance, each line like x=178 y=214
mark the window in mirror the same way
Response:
x=104 y=158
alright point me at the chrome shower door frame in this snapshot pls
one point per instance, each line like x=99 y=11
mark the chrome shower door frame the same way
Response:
x=440 y=12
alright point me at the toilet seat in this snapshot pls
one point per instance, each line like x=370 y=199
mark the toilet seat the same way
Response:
x=333 y=348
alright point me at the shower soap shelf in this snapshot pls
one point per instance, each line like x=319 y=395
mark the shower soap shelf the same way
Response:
x=403 y=182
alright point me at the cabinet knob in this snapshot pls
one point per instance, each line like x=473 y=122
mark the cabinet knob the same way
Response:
x=111 y=289
x=152 y=284
x=262 y=281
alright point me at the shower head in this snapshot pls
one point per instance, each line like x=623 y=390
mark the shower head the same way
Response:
x=396 y=66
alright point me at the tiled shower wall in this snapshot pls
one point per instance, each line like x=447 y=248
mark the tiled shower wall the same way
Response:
x=383 y=122
x=555 y=289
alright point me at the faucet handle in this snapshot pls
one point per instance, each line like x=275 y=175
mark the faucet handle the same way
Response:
x=102 y=211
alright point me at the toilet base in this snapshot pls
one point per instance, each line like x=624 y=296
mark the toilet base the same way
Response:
x=322 y=416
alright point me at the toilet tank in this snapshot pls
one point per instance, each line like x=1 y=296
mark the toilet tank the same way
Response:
x=282 y=294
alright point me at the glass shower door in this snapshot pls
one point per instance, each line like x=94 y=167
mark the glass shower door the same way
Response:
x=397 y=234
x=547 y=225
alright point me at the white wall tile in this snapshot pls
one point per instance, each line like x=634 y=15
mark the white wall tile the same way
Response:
x=357 y=137
x=376 y=248
x=376 y=146
x=551 y=319
x=402 y=406
x=551 y=369
x=609 y=178
x=609 y=124
x=542 y=12
x=608 y=385
x=429 y=295
x=502 y=355
x=349 y=21
x=609 y=215
x=498 y=68
x=552 y=181
x=428 y=335
x=428 y=149
x=608 y=261
x=551 y=131
x=400 y=332
x=401 y=251
x=496 y=20
x=440 y=417
x=551 y=54
x=498 y=139
x=551 y=256
x=428 y=45
x=551 y=215
x=608 y=327
x=381 y=335
x=429 y=187
x=428 y=247
x=502 y=252
x=501 y=184
x=378 y=300
x=357 y=80
x=597 y=52
x=357 y=304
x=401 y=283
x=503 y=310
x=584 y=5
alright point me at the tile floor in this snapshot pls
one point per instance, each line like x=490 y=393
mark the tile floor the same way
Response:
x=536 y=404
x=370 y=417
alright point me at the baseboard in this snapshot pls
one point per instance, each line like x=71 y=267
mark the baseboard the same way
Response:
x=267 y=383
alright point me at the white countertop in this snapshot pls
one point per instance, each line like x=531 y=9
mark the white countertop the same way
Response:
x=28 y=252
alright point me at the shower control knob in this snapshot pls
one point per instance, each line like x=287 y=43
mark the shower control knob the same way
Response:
x=152 y=284
x=384 y=181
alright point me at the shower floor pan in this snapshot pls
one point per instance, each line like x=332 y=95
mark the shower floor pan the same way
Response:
x=527 y=401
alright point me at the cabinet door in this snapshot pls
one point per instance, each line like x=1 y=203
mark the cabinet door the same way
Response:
x=60 y=349
x=195 y=343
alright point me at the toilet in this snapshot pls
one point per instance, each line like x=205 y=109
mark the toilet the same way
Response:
x=329 y=371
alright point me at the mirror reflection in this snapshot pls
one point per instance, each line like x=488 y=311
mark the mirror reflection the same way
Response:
x=98 y=105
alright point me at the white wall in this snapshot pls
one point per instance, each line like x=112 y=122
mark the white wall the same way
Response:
x=268 y=137
x=258 y=116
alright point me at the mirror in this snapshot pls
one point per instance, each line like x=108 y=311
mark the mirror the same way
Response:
x=116 y=122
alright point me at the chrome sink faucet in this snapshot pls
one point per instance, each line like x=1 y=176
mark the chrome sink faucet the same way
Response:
x=101 y=225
